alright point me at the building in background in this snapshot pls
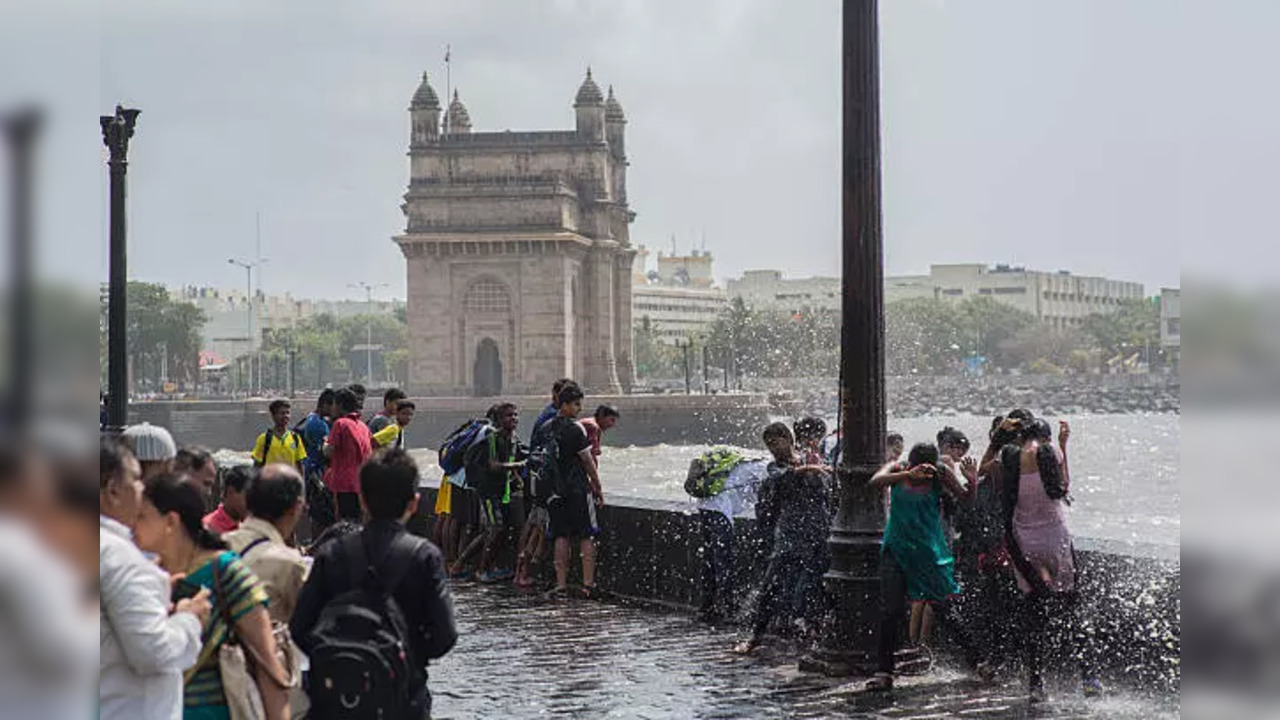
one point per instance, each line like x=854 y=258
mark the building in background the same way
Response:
x=768 y=290
x=1171 y=326
x=1059 y=298
x=517 y=250
x=679 y=300
x=227 y=335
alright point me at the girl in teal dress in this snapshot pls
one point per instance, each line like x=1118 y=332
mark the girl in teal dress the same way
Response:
x=915 y=561
x=169 y=525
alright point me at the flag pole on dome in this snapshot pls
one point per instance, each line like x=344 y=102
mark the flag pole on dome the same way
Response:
x=448 y=90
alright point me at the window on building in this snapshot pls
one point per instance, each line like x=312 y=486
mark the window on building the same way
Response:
x=487 y=296
x=1010 y=291
x=953 y=292
x=1173 y=326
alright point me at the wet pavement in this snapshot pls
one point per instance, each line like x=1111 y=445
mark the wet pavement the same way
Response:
x=523 y=657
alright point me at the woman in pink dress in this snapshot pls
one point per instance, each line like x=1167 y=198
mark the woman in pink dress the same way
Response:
x=1039 y=544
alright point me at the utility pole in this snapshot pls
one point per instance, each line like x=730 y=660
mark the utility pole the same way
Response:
x=368 y=328
x=117 y=129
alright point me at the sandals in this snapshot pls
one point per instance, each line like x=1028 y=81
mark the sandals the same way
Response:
x=591 y=592
x=560 y=592
x=880 y=682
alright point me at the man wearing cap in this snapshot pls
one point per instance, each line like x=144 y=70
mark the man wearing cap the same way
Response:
x=153 y=446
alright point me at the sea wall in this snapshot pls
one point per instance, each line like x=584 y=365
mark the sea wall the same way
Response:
x=650 y=550
x=646 y=419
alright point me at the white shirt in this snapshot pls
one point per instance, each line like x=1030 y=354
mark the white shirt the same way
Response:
x=46 y=631
x=739 y=494
x=144 y=649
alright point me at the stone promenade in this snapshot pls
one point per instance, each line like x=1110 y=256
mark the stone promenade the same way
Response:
x=523 y=657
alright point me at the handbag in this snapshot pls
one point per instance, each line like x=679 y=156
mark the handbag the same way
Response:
x=236 y=664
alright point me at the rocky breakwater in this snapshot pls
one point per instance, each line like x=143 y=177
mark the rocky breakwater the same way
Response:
x=950 y=395
x=1067 y=395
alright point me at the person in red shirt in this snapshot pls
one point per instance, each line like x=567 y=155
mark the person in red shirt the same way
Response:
x=234 y=506
x=605 y=417
x=347 y=447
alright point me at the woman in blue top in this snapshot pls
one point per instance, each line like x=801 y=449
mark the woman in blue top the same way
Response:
x=169 y=526
x=915 y=560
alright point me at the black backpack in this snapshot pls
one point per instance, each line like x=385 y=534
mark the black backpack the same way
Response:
x=362 y=667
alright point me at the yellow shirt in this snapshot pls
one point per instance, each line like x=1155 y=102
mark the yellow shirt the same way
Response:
x=387 y=436
x=288 y=449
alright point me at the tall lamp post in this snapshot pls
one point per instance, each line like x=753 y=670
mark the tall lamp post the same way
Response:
x=20 y=132
x=848 y=643
x=248 y=290
x=368 y=328
x=117 y=129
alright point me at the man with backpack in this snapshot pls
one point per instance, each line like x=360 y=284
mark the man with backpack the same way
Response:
x=376 y=607
x=279 y=444
x=570 y=471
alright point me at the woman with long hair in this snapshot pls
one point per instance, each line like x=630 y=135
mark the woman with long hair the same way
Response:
x=1034 y=487
x=169 y=525
x=915 y=560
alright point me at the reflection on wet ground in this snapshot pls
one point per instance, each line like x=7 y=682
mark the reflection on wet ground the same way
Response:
x=522 y=657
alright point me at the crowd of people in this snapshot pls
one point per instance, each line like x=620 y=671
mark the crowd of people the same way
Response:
x=979 y=547
x=245 y=597
x=218 y=588
x=252 y=584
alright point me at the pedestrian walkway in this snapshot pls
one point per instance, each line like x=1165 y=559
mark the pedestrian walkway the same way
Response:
x=520 y=657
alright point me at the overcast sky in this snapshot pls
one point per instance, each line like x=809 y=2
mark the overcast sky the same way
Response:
x=1098 y=136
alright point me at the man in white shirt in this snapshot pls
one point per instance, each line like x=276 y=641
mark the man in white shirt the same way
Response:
x=144 y=648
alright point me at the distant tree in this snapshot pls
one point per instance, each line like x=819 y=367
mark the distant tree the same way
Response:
x=163 y=334
x=923 y=336
x=1133 y=327
x=654 y=358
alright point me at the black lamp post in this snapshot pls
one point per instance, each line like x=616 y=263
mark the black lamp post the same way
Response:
x=20 y=132
x=116 y=131
x=849 y=641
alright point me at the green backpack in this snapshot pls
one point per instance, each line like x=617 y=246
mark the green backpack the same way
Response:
x=709 y=472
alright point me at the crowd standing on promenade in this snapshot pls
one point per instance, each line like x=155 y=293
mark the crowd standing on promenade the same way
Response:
x=244 y=591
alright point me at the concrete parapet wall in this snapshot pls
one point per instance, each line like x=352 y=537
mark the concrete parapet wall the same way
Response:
x=651 y=550
x=646 y=420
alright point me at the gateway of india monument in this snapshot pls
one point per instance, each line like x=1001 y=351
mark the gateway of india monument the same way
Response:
x=518 y=252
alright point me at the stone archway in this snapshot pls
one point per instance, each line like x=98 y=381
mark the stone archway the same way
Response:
x=488 y=369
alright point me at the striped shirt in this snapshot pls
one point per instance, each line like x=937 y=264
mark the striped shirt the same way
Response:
x=242 y=593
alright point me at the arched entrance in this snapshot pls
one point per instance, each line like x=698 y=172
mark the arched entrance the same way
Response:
x=488 y=369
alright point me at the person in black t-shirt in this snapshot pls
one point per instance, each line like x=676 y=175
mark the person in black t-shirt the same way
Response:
x=577 y=494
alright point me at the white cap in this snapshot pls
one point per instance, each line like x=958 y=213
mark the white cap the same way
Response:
x=150 y=443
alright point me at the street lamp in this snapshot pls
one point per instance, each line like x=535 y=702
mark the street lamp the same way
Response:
x=248 y=289
x=20 y=132
x=116 y=131
x=368 y=328
x=848 y=643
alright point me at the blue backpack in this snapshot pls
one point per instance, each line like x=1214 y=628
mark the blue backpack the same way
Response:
x=453 y=451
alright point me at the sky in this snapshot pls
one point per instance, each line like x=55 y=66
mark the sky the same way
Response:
x=1123 y=138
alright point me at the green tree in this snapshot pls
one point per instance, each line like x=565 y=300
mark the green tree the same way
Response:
x=1133 y=327
x=163 y=336
x=991 y=329
x=923 y=336
x=654 y=358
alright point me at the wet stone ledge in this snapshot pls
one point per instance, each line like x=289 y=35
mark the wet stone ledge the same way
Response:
x=650 y=552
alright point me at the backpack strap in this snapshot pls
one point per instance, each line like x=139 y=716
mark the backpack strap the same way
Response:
x=395 y=566
x=266 y=448
x=245 y=553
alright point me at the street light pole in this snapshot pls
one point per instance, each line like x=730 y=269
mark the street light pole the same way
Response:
x=21 y=130
x=117 y=129
x=368 y=328
x=248 y=289
x=848 y=643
